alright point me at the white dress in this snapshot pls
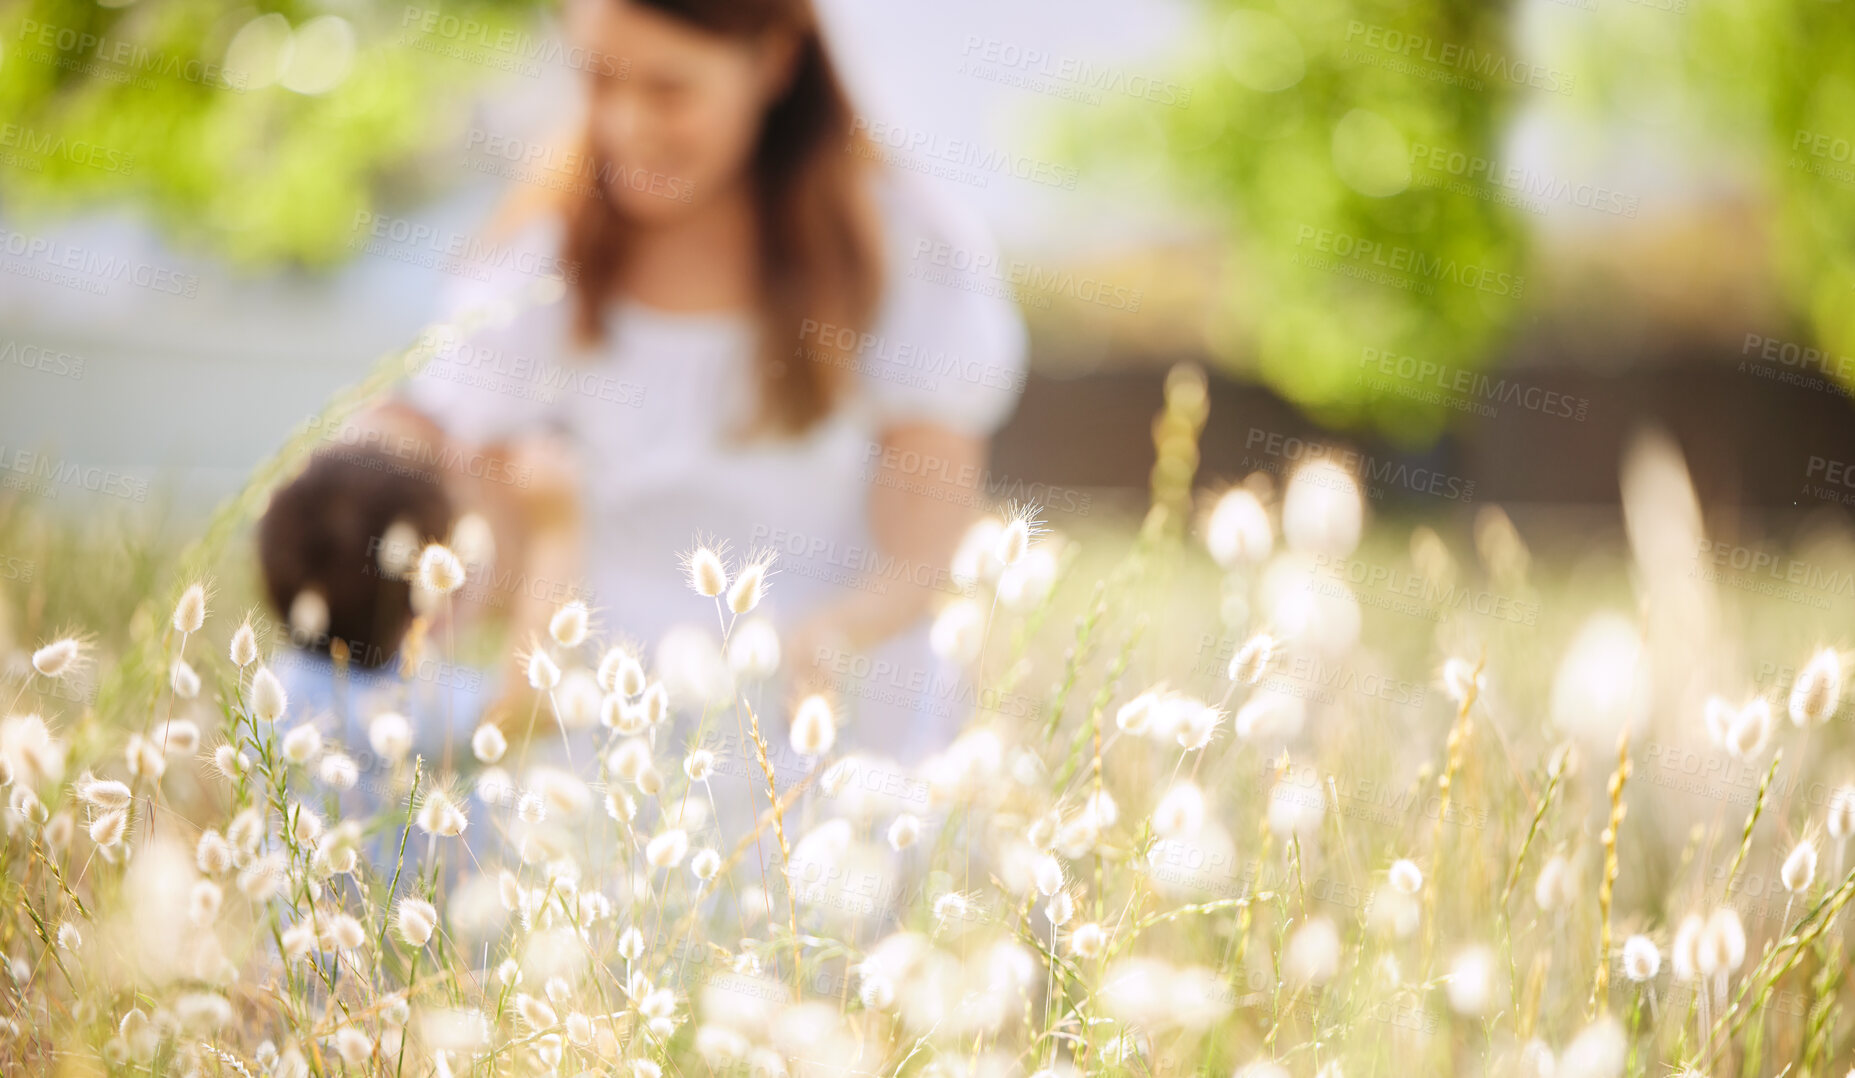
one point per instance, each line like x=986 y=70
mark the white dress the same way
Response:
x=653 y=411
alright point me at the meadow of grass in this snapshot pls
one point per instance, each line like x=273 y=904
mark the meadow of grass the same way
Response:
x=1253 y=785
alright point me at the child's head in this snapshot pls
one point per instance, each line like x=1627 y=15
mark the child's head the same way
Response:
x=323 y=539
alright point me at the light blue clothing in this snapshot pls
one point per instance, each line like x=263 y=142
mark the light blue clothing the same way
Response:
x=441 y=703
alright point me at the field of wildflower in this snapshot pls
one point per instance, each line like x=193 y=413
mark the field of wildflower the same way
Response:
x=1260 y=783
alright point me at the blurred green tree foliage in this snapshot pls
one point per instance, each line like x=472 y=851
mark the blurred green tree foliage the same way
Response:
x=255 y=132
x=1777 y=78
x=1382 y=244
x=1344 y=145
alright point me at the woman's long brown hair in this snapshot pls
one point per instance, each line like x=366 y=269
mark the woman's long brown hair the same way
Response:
x=820 y=249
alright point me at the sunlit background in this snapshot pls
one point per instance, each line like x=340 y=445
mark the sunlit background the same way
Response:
x=1489 y=240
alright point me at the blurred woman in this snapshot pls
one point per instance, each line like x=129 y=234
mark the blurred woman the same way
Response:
x=760 y=342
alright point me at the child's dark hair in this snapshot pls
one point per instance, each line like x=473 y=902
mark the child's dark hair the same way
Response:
x=324 y=532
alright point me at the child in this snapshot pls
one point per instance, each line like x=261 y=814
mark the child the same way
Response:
x=335 y=545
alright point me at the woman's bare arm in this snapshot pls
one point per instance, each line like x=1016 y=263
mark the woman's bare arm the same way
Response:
x=925 y=481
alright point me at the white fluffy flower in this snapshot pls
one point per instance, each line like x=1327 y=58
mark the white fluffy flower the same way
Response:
x=183 y=679
x=440 y=816
x=1799 y=870
x=243 y=650
x=488 y=743
x=1313 y=953
x=1470 y=984
x=390 y=734
x=1839 y=817
x=1251 y=661
x=268 y=700
x=753 y=650
x=543 y=671
x=904 y=831
x=57 y=658
x=707 y=577
x=958 y=632
x=620 y=672
x=1598 y=1051
x=1641 y=959
x=190 y=611
x=1180 y=812
x=569 y=624
x=1684 y=953
x=1322 y=512
x=178 y=737
x=749 y=585
x=339 y=770
x=1048 y=875
x=107 y=830
x=1817 y=693
x=440 y=571
x=1722 y=945
x=1406 y=877
x=302 y=745
x=668 y=848
x=414 y=921
x=814 y=728
x=1238 y=530
x=105 y=793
